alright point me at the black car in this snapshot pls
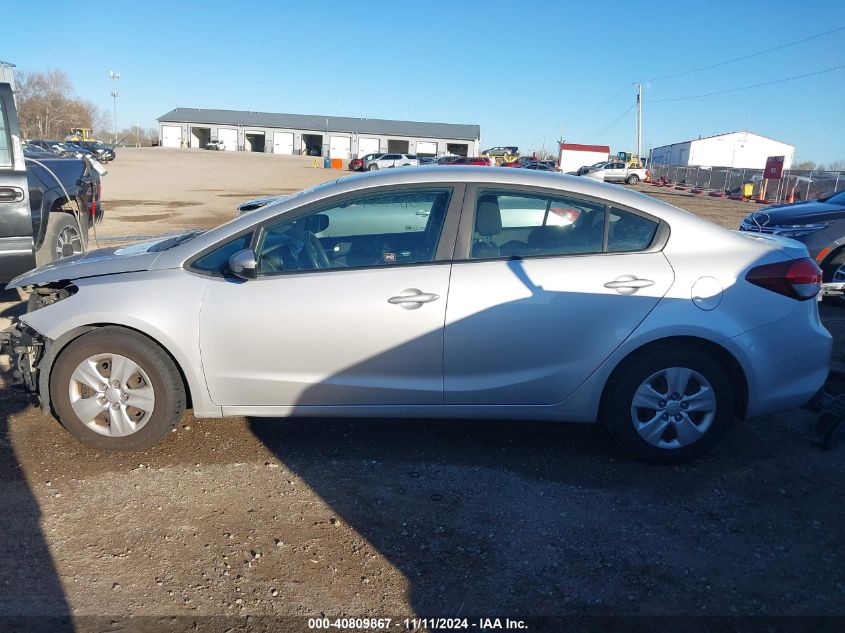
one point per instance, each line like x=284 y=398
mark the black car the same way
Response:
x=57 y=147
x=101 y=151
x=818 y=224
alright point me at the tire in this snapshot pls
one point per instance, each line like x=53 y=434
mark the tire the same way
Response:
x=683 y=434
x=633 y=179
x=372 y=168
x=62 y=234
x=155 y=369
x=834 y=270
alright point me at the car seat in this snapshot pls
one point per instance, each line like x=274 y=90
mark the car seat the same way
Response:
x=488 y=222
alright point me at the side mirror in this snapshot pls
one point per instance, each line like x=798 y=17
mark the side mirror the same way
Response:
x=243 y=264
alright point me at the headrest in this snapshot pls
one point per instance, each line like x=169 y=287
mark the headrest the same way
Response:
x=317 y=223
x=488 y=217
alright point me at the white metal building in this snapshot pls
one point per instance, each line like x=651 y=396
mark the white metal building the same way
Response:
x=575 y=155
x=745 y=150
x=314 y=135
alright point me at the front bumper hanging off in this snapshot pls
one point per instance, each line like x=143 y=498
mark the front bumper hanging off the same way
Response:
x=25 y=347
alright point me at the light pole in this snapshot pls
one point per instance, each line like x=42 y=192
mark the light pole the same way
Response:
x=114 y=77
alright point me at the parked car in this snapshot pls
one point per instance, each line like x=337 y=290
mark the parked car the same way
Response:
x=78 y=149
x=447 y=160
x=654 y=321
x=498 y=152
x=35 y=151
x=585 y=168
x=618 y=172
x=427 y=160
x=540 y=166
x=216 y=145
x=101 y=151
x=818 y=224
x=522 y=161
x=386 y=161
x=57 y=147
x=480 y=161
x=360 y=164
x=47 y=203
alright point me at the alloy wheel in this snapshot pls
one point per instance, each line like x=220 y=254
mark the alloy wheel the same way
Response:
x=68 y=242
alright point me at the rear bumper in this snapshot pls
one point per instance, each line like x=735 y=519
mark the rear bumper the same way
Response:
x=785 y=362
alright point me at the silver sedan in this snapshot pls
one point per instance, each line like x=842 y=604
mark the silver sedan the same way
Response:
x=466 y=292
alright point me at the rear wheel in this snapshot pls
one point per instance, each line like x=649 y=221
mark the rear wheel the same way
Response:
x=62 y=238
x=115 y=389
x=668 y=405
x=372 y=167
x=633 y=179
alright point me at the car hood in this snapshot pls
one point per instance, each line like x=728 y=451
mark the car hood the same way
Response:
x=103 y=261
x=801 y=212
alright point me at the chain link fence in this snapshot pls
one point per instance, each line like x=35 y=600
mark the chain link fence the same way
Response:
x=795 y=184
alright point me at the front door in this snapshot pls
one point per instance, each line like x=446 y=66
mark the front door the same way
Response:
x=16 y=219
x=541 y=302
x=347 y=308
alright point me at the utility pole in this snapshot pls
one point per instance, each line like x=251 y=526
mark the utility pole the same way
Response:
x=639 y=87
x=114 y=77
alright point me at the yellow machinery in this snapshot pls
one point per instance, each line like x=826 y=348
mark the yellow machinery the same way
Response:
x=78 y=134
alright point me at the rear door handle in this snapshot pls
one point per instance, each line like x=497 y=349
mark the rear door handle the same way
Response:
x=412 y=298
x=11 y=194
x=628 y=284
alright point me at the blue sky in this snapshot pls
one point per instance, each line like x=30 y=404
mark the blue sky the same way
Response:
x=520 y=70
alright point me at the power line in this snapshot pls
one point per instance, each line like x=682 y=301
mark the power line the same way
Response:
x=619 y=118
x=744 y=57
x=766 y=83
x=606 y=103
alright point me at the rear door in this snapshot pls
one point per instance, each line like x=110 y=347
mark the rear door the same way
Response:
x=545 y=285
x=16 y=244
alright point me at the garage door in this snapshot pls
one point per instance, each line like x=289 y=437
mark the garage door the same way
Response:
x=339 y=146
x=427 y=149
x=229 y=138
x=367 y=146
x=283 y=142
x=171 y=136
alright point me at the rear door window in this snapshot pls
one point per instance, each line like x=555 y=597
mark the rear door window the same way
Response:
x=5 y=139
x=524 y=225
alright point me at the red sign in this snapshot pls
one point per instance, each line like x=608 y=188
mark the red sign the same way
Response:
x=774 y=168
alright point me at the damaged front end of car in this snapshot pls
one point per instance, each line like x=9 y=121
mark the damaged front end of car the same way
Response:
x=26 y=347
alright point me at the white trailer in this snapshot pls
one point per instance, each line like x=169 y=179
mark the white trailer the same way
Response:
x=575 y=155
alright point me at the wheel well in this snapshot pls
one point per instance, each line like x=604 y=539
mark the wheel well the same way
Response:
x=722 y=356
x=831 y=256
x=66 y=340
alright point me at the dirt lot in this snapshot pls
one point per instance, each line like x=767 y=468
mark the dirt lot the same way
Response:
x=276 y=518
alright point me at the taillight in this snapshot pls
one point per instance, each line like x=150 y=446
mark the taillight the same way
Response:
x=798 y=278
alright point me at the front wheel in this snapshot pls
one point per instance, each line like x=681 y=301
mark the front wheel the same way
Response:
x=668 y=405
x=633 y=179
x=834 y=271
x=115 y=389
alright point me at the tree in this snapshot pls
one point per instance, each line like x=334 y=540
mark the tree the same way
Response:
x=47 y=107
x=837 y=165
x=805 y=165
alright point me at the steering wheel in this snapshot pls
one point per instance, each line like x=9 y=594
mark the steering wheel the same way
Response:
x=315 y=251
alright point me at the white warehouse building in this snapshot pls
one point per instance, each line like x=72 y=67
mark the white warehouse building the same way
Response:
x=314 y=135
x=744 y=150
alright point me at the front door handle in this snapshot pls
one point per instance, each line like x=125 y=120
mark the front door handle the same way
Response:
x=11 y=194
x=412 y=298
x=628 y=284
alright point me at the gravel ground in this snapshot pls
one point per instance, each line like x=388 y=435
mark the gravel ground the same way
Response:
x=272 y=518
